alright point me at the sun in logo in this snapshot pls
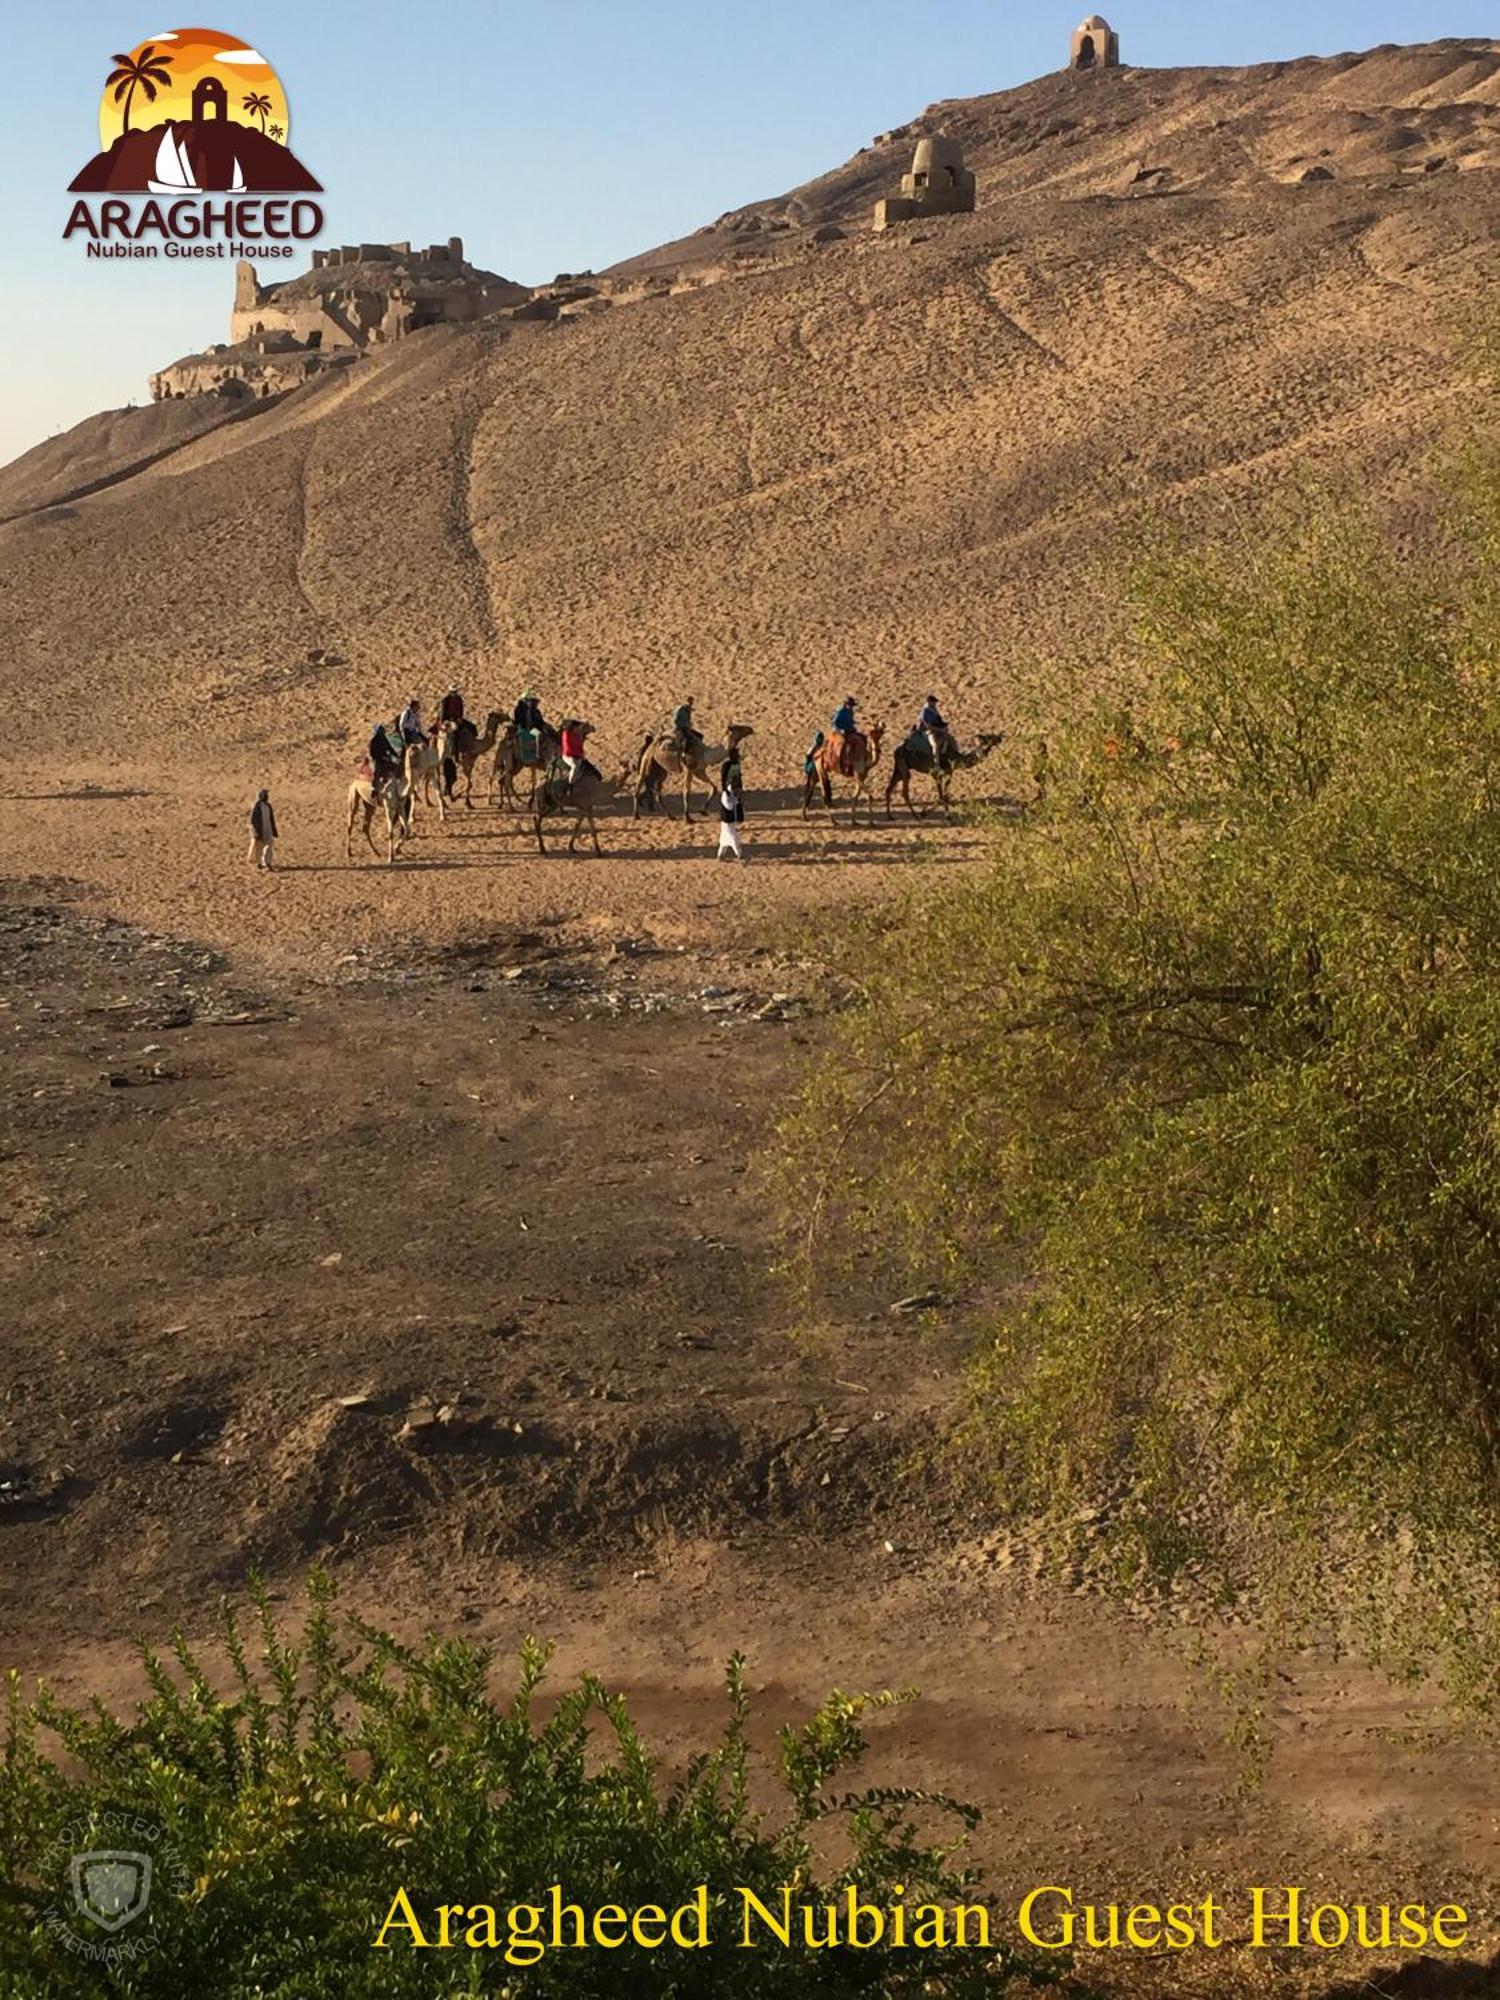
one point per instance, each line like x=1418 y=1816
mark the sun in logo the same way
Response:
x=193 y=111
x=188 y=74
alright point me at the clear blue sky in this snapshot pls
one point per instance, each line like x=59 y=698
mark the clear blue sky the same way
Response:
x=551 y=135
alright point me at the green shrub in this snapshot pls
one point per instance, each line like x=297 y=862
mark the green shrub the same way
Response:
x=284 y=1814
x=1202 y=1076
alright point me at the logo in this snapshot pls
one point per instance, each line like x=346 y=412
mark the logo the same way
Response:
x=194 y=112
x=111 y=1886
x=198 y=122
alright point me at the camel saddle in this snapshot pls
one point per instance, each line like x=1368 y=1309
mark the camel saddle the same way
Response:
x=845 y=745
x=528 y=746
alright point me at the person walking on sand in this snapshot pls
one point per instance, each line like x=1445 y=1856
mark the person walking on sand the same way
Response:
x=262 y=831
x=731 y=808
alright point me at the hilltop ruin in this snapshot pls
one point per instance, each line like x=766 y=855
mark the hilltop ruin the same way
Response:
x=354 y=297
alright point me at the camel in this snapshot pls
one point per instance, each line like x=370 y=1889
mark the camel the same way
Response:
x=424 y=761
x=395 y=796
x=864 y=755
x=508 y=765
x=661 y=759
x=469 y=746
x=914 y=758
x=583 y=799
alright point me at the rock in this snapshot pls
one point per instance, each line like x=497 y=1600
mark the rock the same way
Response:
x=420 y=1421
x=829 y=233
x=334 y=1258
x=926 y=1301
x=355 y=1402
x=1315 y=174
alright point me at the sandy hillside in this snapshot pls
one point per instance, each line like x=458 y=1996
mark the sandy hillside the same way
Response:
x=868 y=463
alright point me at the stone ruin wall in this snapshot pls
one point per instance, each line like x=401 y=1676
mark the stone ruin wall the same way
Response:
x=268 y=369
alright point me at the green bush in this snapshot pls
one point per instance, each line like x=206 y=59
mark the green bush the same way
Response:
x=1201 y=1076
x=284 y=1814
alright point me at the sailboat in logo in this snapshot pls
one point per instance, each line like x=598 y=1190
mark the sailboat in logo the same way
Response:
x=174 y=170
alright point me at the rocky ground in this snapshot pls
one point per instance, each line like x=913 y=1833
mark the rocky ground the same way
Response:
x=452 y=1270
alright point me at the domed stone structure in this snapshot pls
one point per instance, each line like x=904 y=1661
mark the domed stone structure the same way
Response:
x=1095 y=45
x=938 y=184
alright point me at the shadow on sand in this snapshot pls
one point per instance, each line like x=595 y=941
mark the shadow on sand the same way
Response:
x=85 y=795
x=1425 y=1979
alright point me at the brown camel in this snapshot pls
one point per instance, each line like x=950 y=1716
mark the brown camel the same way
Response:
x=662 y=759
x=582 y=799
x=469 y=746
x=395 y=797
x=828 y=768
x=914 y=758
x=508 y=766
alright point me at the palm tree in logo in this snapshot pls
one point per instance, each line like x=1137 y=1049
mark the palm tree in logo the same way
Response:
x=258 y=106
x=278 y=132
x=147 y=70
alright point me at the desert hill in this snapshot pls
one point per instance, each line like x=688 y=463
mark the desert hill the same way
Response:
x=877 y=463
x=1391 y=111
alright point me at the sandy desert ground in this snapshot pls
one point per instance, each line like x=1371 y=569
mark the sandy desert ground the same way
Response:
x=292 y=1165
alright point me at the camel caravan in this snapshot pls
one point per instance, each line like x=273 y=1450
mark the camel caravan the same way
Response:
x=541 y=769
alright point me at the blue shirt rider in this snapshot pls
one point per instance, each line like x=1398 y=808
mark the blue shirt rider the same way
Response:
x=844 y=726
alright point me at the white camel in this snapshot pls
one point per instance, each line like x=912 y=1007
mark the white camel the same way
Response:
x=424 y=761
x=395 y=795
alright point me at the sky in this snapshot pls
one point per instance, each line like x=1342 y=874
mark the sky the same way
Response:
x=558 y=136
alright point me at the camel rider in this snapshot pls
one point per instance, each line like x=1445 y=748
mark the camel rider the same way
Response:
x=451 y=708
x=574 y=735
x=685 y=736
x=845 y=725
x=531 y=727
x=384 y=752
x=410 y=724
x=937 y=732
